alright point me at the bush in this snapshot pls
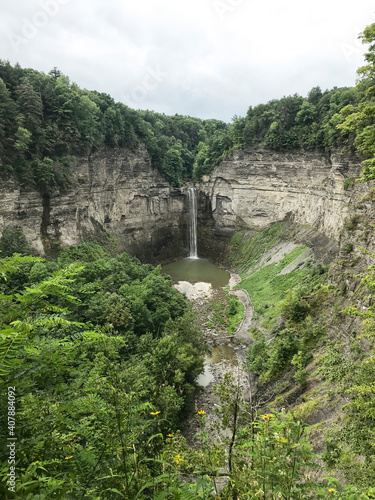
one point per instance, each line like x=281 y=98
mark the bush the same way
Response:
x=13 y=241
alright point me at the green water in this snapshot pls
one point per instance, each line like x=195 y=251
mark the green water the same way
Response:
x=197 y=270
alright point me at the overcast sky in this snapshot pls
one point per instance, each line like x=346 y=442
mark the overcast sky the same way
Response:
x=205 y=58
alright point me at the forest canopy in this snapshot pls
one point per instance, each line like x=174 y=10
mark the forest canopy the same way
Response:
x=46 y=121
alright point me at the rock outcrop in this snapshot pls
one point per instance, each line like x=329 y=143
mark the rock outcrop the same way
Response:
x=114 y=193
x=255 y=188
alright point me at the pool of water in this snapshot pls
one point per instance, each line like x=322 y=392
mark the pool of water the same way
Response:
x=196 y=271
x=222 y=352
x=201 y=272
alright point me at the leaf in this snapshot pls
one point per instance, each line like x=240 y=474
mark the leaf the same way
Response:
x=113 y=490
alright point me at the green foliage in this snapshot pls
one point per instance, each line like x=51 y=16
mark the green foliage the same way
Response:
x=267 y=286
x=294 y=307
x=248 y=249
x=49 y=117
x=368 y=313
x=92 y=401
x=348 y=183
x=266 y=456
x=46 y=121
x=23 y=138
x=359 y=120
x=270 y=359
x=295 y=123
x=228 y=312
x=13 y=241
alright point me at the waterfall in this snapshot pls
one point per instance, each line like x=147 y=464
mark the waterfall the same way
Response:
x=193 y=252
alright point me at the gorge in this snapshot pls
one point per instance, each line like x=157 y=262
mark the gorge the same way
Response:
x=115 y=193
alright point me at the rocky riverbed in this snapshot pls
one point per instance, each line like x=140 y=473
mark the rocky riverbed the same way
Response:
x=228 y=356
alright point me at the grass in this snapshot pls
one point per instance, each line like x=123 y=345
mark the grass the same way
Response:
x=267 y=289
x=249 y=249
x=228 y=313
x=304 y=410
x=238 y=313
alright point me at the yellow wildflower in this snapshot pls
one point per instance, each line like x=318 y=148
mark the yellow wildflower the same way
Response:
x=267 y=417
x=170 y=435
x=67 y=458
x=178 y=459
x=201 y=412
x=331 y=490
x=283 y=440
x=155 y=413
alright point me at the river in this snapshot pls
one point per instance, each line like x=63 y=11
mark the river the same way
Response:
x=203 y=282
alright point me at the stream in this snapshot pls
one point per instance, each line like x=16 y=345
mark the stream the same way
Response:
x=203 y=282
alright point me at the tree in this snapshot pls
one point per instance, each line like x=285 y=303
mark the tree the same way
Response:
x=360 y=119
x=31 y=106
x=8 y=124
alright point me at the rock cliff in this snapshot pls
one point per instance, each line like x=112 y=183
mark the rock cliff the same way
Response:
x=114 y=193
x=254 y=188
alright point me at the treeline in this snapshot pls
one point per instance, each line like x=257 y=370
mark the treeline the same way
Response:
x=46 y=121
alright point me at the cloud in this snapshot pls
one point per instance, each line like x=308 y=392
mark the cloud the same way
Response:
x=214 y=58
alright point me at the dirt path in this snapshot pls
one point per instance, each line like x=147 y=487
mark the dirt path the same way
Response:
x=242 y=331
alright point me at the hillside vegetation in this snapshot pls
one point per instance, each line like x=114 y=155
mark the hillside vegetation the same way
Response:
x=46 y=121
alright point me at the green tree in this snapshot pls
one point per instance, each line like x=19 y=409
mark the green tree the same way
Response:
x=360 y=119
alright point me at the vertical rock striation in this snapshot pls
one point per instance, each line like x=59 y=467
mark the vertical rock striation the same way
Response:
x=115 y=193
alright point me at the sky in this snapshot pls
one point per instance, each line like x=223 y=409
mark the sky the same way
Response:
x=204 y=58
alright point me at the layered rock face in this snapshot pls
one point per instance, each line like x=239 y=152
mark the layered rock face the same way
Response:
x=254 y=188
x=115 y=193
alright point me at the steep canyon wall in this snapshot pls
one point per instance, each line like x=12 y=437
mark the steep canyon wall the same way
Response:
x=116 y=193
x=254 y=188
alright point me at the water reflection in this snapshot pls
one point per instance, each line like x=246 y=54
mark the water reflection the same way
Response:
x=197 y=270
x=223 y=352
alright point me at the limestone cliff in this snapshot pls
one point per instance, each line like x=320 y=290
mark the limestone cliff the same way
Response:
x=254 y=188
x=114 y=193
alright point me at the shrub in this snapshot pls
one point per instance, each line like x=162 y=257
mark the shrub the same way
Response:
x=13 y=241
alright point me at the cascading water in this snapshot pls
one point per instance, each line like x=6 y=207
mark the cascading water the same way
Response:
x=193 y=252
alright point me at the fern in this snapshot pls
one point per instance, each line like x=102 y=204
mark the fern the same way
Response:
x=187 y=494
x=10 y=344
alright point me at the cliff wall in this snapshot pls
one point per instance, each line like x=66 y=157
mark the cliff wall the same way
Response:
x=114 y=193
x=254 y=188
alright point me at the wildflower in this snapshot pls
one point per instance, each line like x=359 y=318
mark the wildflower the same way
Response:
x=68 y=458
x=155 y=413
x=267 y=417
x=201 y=412
x=282 y=440
x=331 y=490
x=170 y=435
x=178 y=459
